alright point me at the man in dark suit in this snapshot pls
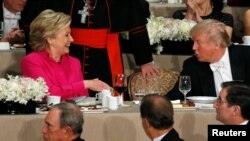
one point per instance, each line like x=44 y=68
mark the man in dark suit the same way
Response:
x=233 y=103
x=216 y=60
x=10 y=16
x=64 y=122
x=157 y=118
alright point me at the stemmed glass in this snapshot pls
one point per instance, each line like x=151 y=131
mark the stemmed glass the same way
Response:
x=185 y=85
x=140 y=89
x=1 y=29
x=152 y=85
x=120 y=85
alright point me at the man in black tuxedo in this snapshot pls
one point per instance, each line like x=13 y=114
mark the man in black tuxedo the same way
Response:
x=216 y=60
x=233 y=104
x=157 y=118
x=10 y=16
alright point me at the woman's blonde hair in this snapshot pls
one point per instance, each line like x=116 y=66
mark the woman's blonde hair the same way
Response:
x=47 y=24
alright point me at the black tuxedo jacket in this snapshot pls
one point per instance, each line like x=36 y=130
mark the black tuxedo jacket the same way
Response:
x=1 y=10
x=202 y=76
x=172 y=135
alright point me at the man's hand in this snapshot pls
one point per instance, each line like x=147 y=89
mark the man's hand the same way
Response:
x=150 y=70
x=15 y=36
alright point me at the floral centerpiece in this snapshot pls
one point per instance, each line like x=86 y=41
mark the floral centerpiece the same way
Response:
x=160 y=28
x=22 y=90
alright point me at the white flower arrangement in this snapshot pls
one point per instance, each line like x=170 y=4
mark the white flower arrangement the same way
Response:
x=22 y=89
x=160 y=28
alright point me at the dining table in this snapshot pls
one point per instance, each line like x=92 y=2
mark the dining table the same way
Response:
x=123 y=124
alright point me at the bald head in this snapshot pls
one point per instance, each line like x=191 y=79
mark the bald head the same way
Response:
x=157 y=110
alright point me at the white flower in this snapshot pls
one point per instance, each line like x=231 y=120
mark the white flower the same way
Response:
x=155 y=27
x=22 y=89
x=160 y=28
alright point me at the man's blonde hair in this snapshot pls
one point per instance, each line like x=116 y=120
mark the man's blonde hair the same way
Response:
x=215 y=30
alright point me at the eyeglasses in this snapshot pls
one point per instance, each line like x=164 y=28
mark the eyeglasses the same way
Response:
x=220 y=101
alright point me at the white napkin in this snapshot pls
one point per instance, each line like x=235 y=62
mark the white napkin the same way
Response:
x=4 y=46
x=178 y=101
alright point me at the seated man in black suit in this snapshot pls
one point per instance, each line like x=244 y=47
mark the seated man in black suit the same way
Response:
x=233 y=104
x=157 y=118
x=10 y=16
x=216 y=60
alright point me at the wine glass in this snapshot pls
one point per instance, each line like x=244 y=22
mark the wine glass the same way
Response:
x=120 y=85
x=140 y=89
x=185 y=85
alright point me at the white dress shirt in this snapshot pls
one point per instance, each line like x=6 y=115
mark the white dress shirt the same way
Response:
x=221 y=71
x=10 y=20
x=160 y=137
x=245 y=122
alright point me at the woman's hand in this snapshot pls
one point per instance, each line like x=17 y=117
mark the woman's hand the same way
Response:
x=191 y=6
x=96 y=85
x=191 y=9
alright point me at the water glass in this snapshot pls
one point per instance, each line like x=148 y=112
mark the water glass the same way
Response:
x=185 y=85
x=1 y=29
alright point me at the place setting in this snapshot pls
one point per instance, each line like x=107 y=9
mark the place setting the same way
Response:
x=106 y=100
x=86 y=104
x=43 y=107
x=184 y=88
x=191 y=102
x=203 y=102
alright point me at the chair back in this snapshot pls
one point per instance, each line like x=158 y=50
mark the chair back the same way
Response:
x=166 y=81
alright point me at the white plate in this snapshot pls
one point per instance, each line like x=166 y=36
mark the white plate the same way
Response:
x=93 y=111
x=204 y=106
x=153 y=0
x=87 y=101
x=202 y=99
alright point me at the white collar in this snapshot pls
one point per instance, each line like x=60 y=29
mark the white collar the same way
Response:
x=224 y=61
x=244 y=122
x=160 y=137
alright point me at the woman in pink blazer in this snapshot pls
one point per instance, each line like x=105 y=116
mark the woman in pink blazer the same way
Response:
x=50 y=40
